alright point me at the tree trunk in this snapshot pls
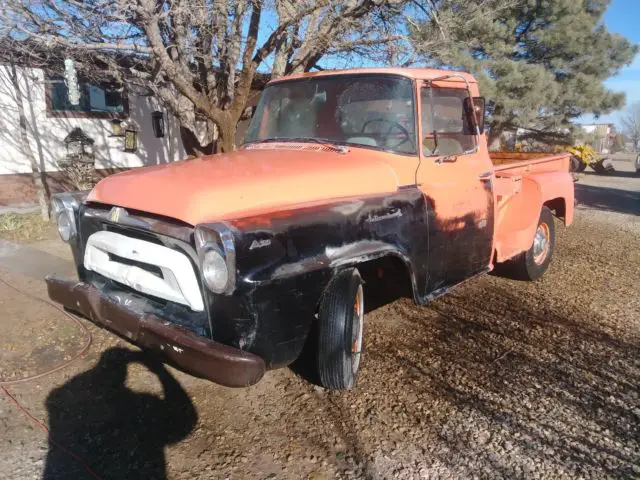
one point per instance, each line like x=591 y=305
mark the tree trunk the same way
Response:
x=37 y=175
x=226 y=137
x=494 y=134
x=192 y=146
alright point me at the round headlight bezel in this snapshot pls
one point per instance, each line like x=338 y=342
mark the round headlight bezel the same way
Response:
x=65 y=225
x=215 y=271
x=65 y=208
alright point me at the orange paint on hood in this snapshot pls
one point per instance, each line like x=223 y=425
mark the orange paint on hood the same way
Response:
x=229 y=186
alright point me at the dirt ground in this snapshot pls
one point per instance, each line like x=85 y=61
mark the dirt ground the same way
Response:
x=499 y=379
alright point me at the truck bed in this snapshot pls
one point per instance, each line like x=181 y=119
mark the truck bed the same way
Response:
x=509 y=163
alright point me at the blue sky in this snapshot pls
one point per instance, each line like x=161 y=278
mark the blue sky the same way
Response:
x=623 y=17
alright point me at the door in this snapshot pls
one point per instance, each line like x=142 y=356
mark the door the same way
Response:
x=456 y=177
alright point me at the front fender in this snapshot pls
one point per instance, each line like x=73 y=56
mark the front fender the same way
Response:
x=282 y=245
x=285 y=259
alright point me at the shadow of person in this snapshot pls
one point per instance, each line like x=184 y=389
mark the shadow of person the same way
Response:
x=117 y=432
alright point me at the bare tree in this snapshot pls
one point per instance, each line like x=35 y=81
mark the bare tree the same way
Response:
x=200 y=58
x=631 y=124
x=37 y=174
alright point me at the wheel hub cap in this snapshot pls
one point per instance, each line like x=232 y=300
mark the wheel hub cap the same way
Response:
x=356 y=330
x=541 y=243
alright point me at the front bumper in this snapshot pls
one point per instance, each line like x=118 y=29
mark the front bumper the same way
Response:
x=194 y=354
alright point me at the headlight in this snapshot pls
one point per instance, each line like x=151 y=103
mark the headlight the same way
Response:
x=65 y=205
x=217 y=254
x=215 y=272
x=66 y=225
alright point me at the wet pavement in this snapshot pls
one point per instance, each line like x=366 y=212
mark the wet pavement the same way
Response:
x=33 y=262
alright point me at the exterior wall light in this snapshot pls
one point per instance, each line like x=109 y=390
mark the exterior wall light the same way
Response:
x=130 y=140
x=116 y=127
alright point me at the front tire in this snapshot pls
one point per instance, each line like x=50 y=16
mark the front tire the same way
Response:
x=532 y=264
x=340 y=325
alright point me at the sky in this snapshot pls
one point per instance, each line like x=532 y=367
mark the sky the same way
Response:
x=623 y=17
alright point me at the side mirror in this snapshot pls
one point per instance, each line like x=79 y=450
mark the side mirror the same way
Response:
x=248 y=112
x=475 y=116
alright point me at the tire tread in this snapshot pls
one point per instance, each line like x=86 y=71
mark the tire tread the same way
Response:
x=333 y=318
x=524 y=267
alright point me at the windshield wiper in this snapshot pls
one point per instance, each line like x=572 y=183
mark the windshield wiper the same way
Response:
x=320 y=141
x=295 y=139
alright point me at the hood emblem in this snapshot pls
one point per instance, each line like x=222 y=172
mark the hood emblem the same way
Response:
x=117 y=214
x=385 y=216
x=260 y=244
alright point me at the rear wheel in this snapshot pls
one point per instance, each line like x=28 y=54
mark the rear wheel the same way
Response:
x=532 y=264
x=340 y=326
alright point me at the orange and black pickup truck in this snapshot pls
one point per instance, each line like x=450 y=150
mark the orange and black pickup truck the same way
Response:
x=347 y=181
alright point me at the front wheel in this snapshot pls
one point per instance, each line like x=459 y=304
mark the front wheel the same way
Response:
x=341 y=321
x=532 y=264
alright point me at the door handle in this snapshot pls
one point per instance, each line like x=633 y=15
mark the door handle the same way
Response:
x=447 y=159
x=485 y=176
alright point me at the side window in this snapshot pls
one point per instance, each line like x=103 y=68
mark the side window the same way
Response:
x=445 y=127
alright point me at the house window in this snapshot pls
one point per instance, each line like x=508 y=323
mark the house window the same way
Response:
x=102 y=100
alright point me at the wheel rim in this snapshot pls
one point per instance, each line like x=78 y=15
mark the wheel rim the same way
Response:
x=355 y=347
x=541 y=243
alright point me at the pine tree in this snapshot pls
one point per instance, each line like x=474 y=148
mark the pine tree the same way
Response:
x=540 y=63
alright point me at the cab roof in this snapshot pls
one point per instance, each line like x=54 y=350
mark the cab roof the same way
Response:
x=413 y=73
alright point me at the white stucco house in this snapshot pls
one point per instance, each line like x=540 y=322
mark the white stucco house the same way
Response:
x=120 y=125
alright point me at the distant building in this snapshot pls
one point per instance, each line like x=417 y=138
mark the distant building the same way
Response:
x=50 y=118
x=603 y=135
x=105 y=116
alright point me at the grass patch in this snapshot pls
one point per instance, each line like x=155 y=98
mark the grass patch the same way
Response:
x=25 y=227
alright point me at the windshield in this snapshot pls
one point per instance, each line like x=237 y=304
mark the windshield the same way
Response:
x=373 y=111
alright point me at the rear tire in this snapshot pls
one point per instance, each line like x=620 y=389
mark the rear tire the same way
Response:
x=340 y=324
x=532 y=264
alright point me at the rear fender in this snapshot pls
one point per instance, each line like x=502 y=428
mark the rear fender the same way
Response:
x=518 y=212
x=557 y=187
x=517 y=218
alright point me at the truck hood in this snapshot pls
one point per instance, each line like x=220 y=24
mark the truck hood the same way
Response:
x=246 y=182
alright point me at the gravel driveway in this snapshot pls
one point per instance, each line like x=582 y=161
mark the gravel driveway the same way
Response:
x=500 y=379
